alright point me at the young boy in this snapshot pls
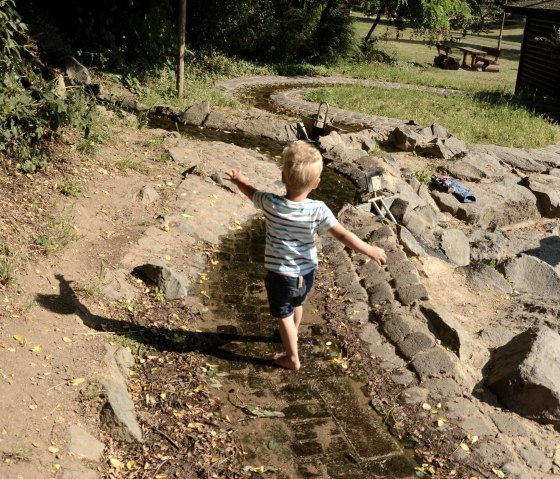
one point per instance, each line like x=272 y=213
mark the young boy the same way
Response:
x=292 y=221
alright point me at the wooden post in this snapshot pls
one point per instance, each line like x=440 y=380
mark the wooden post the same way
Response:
x=181 y=51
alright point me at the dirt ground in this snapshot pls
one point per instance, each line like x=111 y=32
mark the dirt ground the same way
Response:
x=49 y=359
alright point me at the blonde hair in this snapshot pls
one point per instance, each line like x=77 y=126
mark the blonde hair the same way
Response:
x=302 y=165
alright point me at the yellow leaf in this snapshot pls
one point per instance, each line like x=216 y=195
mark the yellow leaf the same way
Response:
x=184 y=215
x=165 y=227
x=56 y=467
x=114 y=462
x=198 y=388
x=474 y=439
x=464 y=447
x=19 y=338
x=441 y=421
x=160 y=476
x=77 y=381
x=167 y=257
x=66 y=339
x=37 y=348
x=426 y=406
x=131 y=465
x=498 y=473
x=52 y=449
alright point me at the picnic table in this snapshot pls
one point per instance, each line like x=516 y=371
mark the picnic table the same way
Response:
x=474 y=54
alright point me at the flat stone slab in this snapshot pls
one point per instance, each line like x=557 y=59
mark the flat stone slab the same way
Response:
x=497 y=204
x=476 y=167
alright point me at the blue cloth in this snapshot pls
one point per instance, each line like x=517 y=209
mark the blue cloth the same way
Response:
x=452 y=185
x=461 y=192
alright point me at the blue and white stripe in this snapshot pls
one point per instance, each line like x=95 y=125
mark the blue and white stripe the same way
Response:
x=290 y=232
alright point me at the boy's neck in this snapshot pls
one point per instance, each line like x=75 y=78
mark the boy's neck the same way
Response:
x=296 y=196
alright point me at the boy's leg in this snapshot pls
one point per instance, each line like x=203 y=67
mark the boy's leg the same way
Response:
x=298 y=314
x=288 y=334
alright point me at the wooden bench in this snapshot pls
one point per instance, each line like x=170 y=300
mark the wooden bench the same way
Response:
x=490 y=63
x=445 y=59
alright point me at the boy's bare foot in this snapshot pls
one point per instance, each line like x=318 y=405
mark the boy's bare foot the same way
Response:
x=287 y=362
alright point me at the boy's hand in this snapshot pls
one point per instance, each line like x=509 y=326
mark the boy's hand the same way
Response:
x=236 y=176
x=377 y=254
x=242 y=182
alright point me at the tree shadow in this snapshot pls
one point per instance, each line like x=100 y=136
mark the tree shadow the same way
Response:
x=160 y=338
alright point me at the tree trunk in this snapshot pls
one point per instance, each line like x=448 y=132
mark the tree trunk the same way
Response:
x=181 y=50
x=376 y=21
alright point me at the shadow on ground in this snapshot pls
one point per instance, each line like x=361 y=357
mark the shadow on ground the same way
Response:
x=160 y=338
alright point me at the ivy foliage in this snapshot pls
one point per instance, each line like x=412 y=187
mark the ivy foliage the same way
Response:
x=32 y=110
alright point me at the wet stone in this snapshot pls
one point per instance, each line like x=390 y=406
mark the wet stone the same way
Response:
x=228 y=329
x=296 y=392
x=305 y=411
x=305 y=431
x=307 y=448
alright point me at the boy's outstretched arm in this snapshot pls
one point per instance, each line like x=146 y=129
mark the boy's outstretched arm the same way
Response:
x=347 y=238
x=242 y=182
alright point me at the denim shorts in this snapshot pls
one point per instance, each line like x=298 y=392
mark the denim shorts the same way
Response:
x=287 y=292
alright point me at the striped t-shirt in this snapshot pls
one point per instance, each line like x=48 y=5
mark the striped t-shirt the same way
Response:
x=290 y=232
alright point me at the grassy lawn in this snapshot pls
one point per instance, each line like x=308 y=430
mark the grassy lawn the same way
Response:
x=472 y=120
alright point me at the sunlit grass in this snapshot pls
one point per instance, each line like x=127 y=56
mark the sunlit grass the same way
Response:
x=468 y=118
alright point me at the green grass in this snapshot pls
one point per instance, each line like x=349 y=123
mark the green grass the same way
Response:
x=470 y=119
x=59 y=232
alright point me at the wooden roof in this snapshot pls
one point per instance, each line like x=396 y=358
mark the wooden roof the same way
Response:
x=533 y=7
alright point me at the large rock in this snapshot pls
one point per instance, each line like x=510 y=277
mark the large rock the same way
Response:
x=476 y=167
x=451 y=332
x=497 y=204
x=196 y=114
x=406 y=138
x=455 y=245
x=513 y=157
x=172 y=284
x=547 y=190
x=532 y=275
x=525 y=374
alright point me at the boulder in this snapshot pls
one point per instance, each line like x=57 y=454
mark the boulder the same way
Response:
x=449 y=330
x=172 y=284
x=497 y=204
x=546 y=188
x=196 y=114
x=525 y=375
x=476 y=167
x=455 y=245
x=512 y=157
x=529 y=274
x=406 y=138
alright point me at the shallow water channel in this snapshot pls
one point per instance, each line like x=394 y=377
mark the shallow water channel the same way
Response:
x=328 y=430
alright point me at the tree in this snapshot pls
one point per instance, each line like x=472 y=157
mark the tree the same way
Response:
x=421 y=15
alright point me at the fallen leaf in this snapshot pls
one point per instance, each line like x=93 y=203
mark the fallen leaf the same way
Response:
x=66 y=339
x=464 y=447
x=52 y=449
x=426 y=406
x=498 y=473
x=37 y=348
x=272 y=444
x=114 y=462
x=77 y=381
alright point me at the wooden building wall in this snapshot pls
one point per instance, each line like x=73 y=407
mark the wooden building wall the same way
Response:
x=539 y=64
